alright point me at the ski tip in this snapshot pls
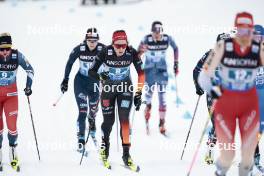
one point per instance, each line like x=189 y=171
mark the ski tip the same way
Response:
x=138 y=169
x=18 y=169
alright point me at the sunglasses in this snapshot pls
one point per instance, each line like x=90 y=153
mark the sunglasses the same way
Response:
x=118 y=46
x=5 y=49
x=244 y=32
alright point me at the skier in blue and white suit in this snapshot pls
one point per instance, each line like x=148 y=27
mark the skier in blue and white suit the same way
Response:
x=85 y=87
x=259 y=36
x=155 y=46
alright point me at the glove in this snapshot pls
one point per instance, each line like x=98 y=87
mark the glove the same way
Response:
x=64 y=85
x=259 y=136
x=199 y=91
x=175 y=68
x=215 y=92
x=138 y=100
x=104 y=76
x=143 y=48
x=28 y=91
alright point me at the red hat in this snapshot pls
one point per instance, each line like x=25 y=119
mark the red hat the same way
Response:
x=244 y=19
x=119 y=35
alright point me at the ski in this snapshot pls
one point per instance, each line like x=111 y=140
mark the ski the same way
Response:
x=94 y=139
x=166 y=135
x=86 y=153
x=133 y=167
x=106 y=164
x=260 y=169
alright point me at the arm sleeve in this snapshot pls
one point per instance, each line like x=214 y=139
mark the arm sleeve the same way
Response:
x=208 y=72
x=175 y=49
x=262 y=53
x=198 y=68
x=72 y=58
x=23 y=62
x=99 y=60
x=139 y=68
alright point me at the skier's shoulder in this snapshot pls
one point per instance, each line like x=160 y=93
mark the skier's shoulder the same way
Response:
x=100 y=46
x=79 y=48
x=106 y=51
x=166 y=37
x=131 y=49
x=148 y=38
x=15 y=53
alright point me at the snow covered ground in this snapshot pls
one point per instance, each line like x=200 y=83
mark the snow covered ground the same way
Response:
x=46 y=32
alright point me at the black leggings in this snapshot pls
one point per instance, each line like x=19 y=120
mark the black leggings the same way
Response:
x=87 y=98
x=123 y=100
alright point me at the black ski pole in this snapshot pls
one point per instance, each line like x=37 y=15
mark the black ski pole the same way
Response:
x=201 y=138
x=117 y=129
x=33 y=127
x=190 y=126
x=83 y=152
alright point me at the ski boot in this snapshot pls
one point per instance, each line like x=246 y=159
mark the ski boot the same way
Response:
x=147 y=117
x=104 y=153
x=162 y=127
x=81 y=146
x=13 y=158
x=209 y=156
x=129 y=164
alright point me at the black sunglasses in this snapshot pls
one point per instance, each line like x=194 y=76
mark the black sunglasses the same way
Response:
x=5 y=49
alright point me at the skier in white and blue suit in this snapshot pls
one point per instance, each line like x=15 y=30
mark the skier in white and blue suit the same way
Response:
x=155 y=46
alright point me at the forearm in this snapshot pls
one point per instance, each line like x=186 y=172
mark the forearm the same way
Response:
x=141 y=80
x=30 y=76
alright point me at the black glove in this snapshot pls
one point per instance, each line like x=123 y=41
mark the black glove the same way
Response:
x=28 y=91
x=104 y=76
x=64 y=85
x=138 y=100
x=175 y=68
x=199 y=90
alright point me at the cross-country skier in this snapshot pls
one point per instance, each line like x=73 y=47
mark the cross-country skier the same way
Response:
x=259 y=36
x=238 y=60
x=154 y=46
x=86 y=97
x=116 y=91
x=10 y=59
x=209 y=158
